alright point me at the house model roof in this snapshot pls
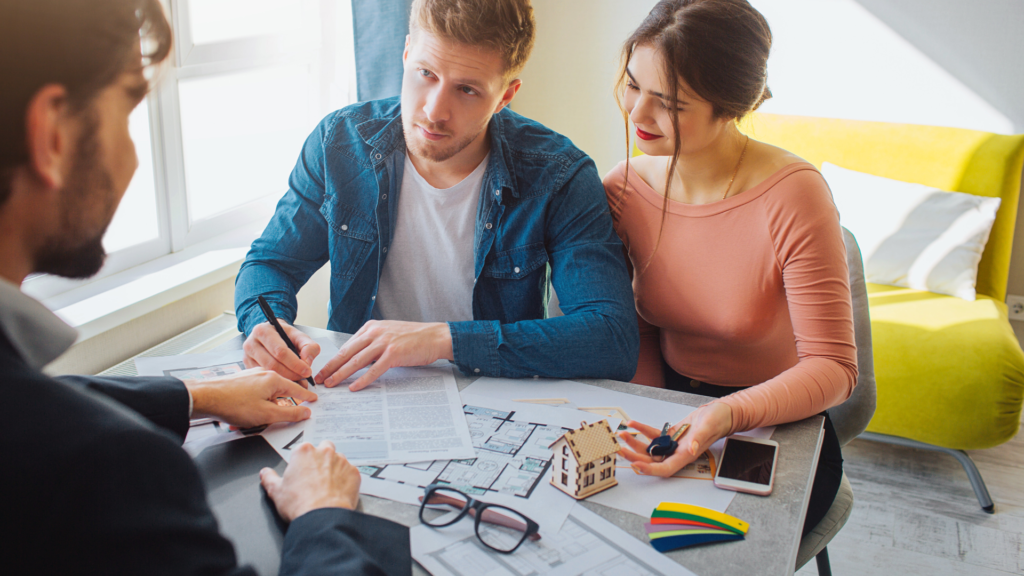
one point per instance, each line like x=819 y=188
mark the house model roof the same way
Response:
x=590 y=441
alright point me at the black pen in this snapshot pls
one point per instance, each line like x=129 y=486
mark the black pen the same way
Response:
x=269 y=313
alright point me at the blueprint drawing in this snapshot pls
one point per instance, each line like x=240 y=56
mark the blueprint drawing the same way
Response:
x=511 y=463
x=512 y=457
x=587 y=545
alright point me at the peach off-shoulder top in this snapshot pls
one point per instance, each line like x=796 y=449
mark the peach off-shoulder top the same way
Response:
x=752 y=290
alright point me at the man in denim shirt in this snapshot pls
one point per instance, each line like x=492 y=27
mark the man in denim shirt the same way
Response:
x=479 y=208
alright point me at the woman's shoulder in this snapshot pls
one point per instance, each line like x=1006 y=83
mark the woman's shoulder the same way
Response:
x=767 y=160
x=784 y=174
x=621 y=182
x=646 y=167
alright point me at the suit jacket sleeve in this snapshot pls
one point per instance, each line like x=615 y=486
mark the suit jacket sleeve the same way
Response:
x=145 y=507
x=339 y=541
x=155 y=520
x=162 y=401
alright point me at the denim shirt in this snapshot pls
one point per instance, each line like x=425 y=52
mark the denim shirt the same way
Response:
x=542 y=217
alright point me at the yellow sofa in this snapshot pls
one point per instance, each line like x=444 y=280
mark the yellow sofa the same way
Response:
x=949 y=373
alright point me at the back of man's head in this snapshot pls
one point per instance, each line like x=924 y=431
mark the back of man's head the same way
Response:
x=505 y=26
x=82 y=45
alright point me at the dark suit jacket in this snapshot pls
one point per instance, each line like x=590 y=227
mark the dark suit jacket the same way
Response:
x=96 y=482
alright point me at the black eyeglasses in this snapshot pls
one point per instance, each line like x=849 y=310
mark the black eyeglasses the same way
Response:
x=504 y=529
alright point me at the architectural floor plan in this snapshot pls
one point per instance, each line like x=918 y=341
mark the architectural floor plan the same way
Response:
x=511 y=463
x=512 y=457
x=587 y=545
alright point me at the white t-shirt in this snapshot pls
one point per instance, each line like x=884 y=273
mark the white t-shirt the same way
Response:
x=428 y=272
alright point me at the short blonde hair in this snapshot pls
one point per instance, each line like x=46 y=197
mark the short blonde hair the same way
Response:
x=505 y=26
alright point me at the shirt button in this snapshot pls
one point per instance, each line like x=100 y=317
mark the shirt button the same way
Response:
x=694 y=383
x=497 y=192
x=516 y=269
x=384 y=197
x=385 y=249
x=476 y=369
x=374 y=297
x=344 y=226
x=488 y=225
x=377 y=156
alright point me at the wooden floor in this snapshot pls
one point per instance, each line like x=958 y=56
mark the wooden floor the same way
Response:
x=915 y=513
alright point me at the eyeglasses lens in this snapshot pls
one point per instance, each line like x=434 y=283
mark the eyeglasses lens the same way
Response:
x=445 y=500
x=501 y=528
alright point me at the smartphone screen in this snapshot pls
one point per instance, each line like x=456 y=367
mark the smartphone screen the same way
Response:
x=747 y=462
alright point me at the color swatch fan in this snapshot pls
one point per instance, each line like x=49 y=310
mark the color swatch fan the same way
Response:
x=674 y=525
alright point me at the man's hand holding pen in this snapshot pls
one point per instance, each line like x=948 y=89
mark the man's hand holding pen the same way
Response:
x=265 y=348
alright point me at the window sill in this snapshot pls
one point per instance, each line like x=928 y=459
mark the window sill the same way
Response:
x=105 y=304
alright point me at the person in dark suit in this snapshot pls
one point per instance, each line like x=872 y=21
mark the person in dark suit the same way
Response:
x=95 y=478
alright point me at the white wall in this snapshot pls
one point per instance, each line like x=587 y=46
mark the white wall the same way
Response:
x=567 y=84
x=979 y=42
x=836 y=59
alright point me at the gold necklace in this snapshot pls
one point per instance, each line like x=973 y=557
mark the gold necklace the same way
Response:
x=737 y=169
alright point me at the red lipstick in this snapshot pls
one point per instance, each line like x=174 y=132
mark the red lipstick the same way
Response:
x=647 y=135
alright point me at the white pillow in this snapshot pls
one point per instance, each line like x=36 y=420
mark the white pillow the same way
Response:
x=913 y=235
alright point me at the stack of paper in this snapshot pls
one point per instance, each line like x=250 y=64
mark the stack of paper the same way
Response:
x=674 y=525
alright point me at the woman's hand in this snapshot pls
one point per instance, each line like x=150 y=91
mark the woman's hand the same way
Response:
x=708 y=424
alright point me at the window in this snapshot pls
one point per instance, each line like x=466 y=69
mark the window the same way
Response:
x=565 y=450
x=588 y=480
x=606 y=459
x=565 y=464
x=247 y=82
x=589 y=466
x=565 y=479
x=606 y=473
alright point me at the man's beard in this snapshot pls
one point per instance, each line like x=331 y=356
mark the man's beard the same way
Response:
x=432 y=153
x=74 y=251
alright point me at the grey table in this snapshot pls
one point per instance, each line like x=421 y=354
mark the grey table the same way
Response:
x=775 y=521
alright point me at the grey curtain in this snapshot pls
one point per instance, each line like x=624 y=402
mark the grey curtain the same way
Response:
x=379 y=27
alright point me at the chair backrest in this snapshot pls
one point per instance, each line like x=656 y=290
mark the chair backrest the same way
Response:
x=953 y=159
x=852 y=416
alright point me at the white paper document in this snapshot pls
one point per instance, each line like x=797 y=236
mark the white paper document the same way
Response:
x=192 y=366
x=635 y=493
x=511 y=465
x=587 y=545
x=406 y=415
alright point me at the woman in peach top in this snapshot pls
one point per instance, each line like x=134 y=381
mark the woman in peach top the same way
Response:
x=739 y=267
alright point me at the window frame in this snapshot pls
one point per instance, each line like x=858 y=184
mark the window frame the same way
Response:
x=176 y=231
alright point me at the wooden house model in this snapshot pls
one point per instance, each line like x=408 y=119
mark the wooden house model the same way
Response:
x=584 y=460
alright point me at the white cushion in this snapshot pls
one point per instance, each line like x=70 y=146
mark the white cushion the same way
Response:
x=913 y=235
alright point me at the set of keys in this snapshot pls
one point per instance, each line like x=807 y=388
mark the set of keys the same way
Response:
x=664 y=446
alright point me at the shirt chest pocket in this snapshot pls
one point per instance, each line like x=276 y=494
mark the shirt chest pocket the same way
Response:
x=517 y=263
x=352 y=237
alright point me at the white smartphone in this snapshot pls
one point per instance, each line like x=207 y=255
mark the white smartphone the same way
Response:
x=748 y=465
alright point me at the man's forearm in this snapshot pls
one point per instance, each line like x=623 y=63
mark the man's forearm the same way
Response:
x=580 y=345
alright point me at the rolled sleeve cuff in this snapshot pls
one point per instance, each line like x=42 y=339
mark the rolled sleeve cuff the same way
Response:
x=252 y=316
x=248 y=319
x=475 y=347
